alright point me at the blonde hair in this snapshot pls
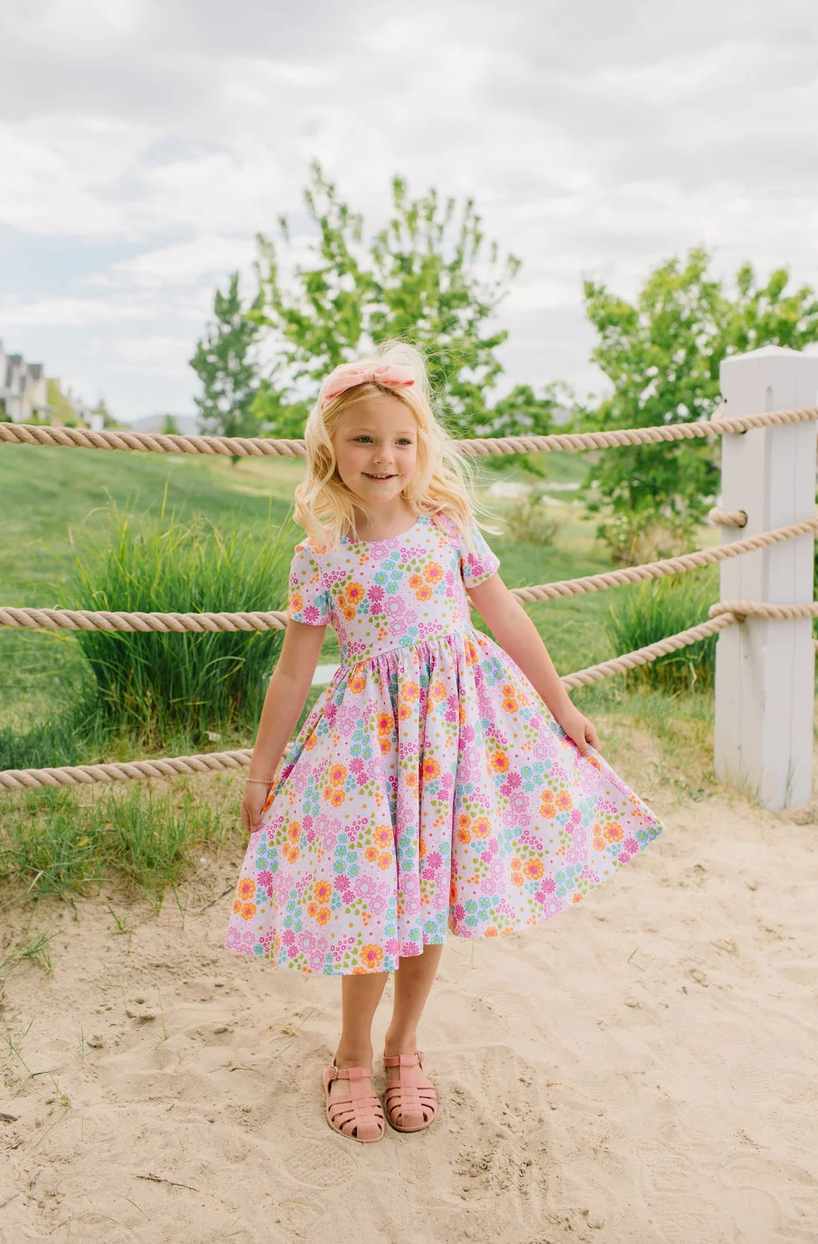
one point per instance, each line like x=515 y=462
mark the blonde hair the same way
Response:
x=443 y=477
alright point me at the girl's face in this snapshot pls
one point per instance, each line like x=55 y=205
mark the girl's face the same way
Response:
x=375 y=446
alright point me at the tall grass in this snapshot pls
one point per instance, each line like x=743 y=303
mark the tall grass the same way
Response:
x=62 y=842
x=651 y=611
x=160 y=684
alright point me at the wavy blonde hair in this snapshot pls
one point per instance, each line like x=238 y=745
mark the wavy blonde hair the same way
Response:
x=443 y=477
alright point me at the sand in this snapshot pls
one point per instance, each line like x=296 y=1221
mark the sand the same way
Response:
x=640 y=1070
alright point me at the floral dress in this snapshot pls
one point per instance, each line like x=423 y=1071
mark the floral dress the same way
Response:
x=430 y=789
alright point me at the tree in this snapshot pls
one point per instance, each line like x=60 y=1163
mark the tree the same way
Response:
x=224 y=361
x=662 y=355
x=428 y=276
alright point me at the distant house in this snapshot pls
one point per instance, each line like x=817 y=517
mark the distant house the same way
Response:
x=23 y=388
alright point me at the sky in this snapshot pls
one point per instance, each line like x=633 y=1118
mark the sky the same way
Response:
x=145 y=143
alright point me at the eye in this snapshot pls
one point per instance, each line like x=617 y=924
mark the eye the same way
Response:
x=363 y=438
x=404 y=440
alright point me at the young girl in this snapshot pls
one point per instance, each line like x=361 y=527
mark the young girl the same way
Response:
x=440 y=783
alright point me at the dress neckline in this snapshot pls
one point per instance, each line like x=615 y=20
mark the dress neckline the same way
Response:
x=400 y=535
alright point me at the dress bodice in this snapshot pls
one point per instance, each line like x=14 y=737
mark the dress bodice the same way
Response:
x=379 y=595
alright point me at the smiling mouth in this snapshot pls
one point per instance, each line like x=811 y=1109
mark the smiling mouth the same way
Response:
x=378 y=477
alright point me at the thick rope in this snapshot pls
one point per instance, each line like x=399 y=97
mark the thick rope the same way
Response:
x=763 y=609
x=727 y=518
x=103 y=620
x=260 y=447
x=83 y=775
x=619 y=665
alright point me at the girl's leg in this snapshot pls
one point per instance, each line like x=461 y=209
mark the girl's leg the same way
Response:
x=360 y=996
x=413 y=981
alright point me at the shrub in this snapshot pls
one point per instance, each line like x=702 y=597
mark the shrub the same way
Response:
x=164 y=682
x=529 y=520
x=661 y=607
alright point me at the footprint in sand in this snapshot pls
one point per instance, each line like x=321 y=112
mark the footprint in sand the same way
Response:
x=319 y=1163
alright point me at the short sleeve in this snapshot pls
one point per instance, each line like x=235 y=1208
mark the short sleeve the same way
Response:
x=478 y=563
x=308 y=599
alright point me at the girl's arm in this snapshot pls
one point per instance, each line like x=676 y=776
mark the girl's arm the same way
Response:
x=517 y=635
x=285 y=698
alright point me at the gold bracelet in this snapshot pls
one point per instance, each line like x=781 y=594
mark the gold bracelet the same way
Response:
x=262 y=781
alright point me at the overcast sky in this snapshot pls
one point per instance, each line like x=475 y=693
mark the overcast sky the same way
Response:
x=143 y=143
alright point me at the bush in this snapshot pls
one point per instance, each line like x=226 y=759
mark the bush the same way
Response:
x=158 y=683
x=529 y=520
x=661 y=607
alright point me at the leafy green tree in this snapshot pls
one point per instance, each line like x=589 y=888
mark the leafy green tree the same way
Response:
x=661 y=354
x=429 y=276
x=225 y=362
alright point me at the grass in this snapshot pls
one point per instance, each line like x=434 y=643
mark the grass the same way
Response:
x=154 y=683
x=63 y=842
x=652 y=610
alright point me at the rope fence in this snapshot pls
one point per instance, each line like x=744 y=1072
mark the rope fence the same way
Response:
x=261 y=447
x=723 y=614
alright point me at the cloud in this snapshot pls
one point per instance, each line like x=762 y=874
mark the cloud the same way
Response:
x=595 y=138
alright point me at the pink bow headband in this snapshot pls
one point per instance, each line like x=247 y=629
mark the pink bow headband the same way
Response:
x=348 y=375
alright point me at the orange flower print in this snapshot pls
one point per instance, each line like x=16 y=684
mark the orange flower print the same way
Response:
x=356 y=684
x=384 y=722
x=490 y=931
x=385 y=744
x=236 y=905
x=463 y=835
x=471 y=652
x=246 y=888
x=371 y=854
x=322 y=891
x=564 y=801
x=533 y=869
x=464 y=819
x=415 y=581
x=424 y=592
x=248 y=910
x=433 y=573
x=337 y=797
x=437 y=691
x=384 y=860
x=312 y=910
x=613 y=832
x=355 y=593
x=499 y=762
x=404 y=711
x=508 y=690
x=422 y=848
x=510 y=704
x=599 y=844
x=290 y=853
x=371 y=957
x=410 y=690
x=294 y=831
x=481 y=827
x=338 y=775
x=382 y=836
x=431 y=769
x=310 y=743
x=348 y=612
x=411 y=779
x=323 y=915
x=295 y=603
x=576 y=897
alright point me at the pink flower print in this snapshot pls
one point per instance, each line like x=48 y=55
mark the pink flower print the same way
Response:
x=513 y=779
x=467 y=734
x=459 y=913
x=433 y=861
x=265 y=881
x=630 y=845
x=548 y=886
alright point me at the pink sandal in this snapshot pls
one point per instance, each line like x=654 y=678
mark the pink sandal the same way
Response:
x=357 y=1115
x=411 y=1104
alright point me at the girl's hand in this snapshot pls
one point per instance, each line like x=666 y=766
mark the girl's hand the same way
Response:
x=253 y=800
x=578 y=729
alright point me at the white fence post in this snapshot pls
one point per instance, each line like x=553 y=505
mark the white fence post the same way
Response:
x=765 y=669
